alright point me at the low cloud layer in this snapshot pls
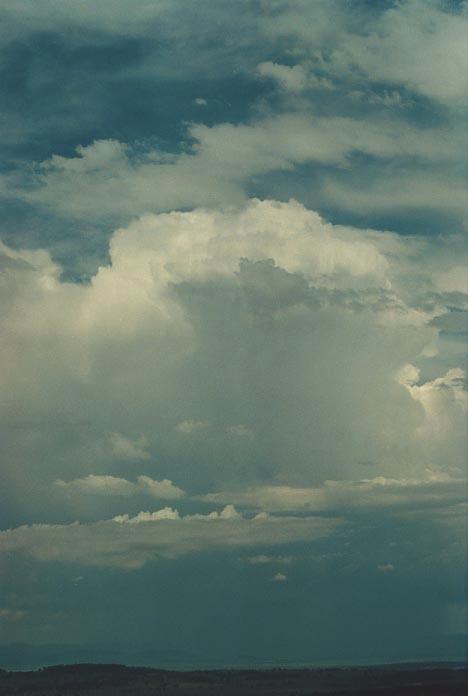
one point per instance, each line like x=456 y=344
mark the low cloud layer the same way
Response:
x=378 y=494
x=128 y=543
x=113 y=485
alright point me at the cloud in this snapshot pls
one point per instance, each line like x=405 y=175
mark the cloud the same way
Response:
x=263 y=316
x=453 y=280
x=130 y=542
x=125 y=448
x=263 y=559
x=412 y=190
x=160 y=489
x=454 y=321
x=112 y=485
x=267 y=356
x=227 y=513
x=413 y=43
x=337 y=497
x=418 y=44
x=187 y=427
x=241 y=431
x=108 y=179
x=114 y=19
x=444 y=399
x=291 y=78
x=166 y=513
x=12 y=615
x=98 y=484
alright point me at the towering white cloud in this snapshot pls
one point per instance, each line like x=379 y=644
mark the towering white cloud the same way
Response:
x=261 y=341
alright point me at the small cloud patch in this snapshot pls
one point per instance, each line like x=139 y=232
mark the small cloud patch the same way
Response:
x=125 y=448
x=12 y=615
x=241 y=431
x=263 y=559
x=188 y=427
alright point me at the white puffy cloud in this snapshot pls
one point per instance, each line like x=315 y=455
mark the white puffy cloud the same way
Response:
x=227 y=513
x=166 y=513
x=280 y=577
x=444 y=399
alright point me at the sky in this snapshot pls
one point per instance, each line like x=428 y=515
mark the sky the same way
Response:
x=234 y=296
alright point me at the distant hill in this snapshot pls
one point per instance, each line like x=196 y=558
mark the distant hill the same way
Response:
x=431 y=649
x=120 y=680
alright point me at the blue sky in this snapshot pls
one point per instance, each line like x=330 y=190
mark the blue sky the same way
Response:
x=234 y=295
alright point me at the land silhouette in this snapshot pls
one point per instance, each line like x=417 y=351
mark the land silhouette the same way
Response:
x=119 y=680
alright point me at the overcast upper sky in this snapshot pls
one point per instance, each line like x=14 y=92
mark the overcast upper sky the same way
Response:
x=234 y=298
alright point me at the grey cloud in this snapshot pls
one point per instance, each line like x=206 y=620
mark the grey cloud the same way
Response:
x=416 y=44
x=403 y=44
x=126 y=448
x=105 y=484
x=454 y=321
x=12 y=615
x=262 y=559
x=339 y=497
x=110 y=179
x=122 y=543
